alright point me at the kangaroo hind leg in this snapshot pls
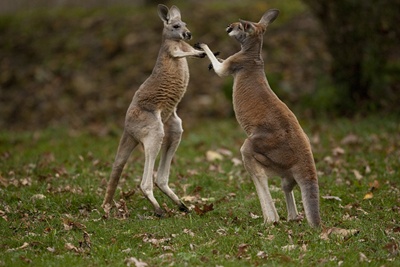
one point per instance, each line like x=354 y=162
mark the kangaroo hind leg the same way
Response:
x=288 y=184
x=173 y=133
x=126 y=145
x=258 y=174
x=151 y=140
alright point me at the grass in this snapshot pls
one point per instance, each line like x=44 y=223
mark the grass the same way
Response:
x=52 y=183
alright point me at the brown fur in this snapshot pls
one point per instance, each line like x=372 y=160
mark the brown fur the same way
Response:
x=276 y=143
x=151 y=118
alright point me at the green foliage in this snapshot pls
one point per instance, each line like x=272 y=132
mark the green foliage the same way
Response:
x=52 y=183
x=362 y=39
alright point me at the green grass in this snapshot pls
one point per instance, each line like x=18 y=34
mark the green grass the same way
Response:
x=70 y=169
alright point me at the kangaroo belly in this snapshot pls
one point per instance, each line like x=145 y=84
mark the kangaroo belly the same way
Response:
x=164 y=89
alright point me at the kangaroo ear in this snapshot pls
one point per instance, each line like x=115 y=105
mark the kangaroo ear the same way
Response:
x=163 y=13
x=174 y=13
x=248 y=26
x=269 y=17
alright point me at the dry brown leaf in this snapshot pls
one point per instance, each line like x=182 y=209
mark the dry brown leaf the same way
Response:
x=392 y=247
x=374 y=185
x=262 y=255
x=337 y=151
x=154 y=241
x=71 y=247
x=128 y=194
x=107 y=208
x=86 y=240
x=3 y=181
x=188 y=231
x=340 y=232
x=242 y=250
x=69 y=224
x=3 y=215
x=206 y=208
x=122 y=210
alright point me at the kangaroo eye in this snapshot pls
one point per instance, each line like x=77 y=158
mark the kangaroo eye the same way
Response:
x=176 y=26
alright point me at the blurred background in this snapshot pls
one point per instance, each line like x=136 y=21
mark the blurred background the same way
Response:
x=78 y=63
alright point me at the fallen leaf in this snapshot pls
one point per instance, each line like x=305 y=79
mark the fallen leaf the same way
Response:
x=392 y=247
x=25 y=259
x=368 y=195
x=363 y=258
x=332 y=197
x=288 y=248
x=358 y=175
x=154 y=241
x=188 y=231
x=107 y=208
x=221 y=231
x=69 y=224
x=38 y=196
x=3 y=215
x=122 y=209
x=340 y=232
x=262 y=255
x=224 y=152
x=236 y=161
x=337 y=151
x=254 y=216
x=242 y=249
x=71 y=247
x=191 y=199
x=25 y=245
x=374 y=185
x=86 y=240
x=213 y=155
x=206 y=208
x=128 y=194
x=128 y=250
x=136 y=262
x=350 y=139
x=3 y=181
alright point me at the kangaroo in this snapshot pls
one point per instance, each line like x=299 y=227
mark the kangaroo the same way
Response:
x=151 y=118
x=276 y=145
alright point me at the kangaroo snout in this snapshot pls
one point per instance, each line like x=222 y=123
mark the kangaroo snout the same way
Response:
x=229 y=29
x=187 y=35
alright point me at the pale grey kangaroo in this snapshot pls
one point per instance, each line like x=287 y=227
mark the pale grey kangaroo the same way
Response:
x=151 y=118
x=276 y=143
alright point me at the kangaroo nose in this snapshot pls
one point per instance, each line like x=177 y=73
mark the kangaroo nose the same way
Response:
x=229 y=29
x=188 y=35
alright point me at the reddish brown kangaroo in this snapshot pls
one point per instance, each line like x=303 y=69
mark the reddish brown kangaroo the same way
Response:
x=276 y=143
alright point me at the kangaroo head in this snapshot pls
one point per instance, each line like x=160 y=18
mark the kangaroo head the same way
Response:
x=244 y=30
x=174 y=27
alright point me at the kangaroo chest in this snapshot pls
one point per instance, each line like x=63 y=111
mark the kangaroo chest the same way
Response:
x=165 y=87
